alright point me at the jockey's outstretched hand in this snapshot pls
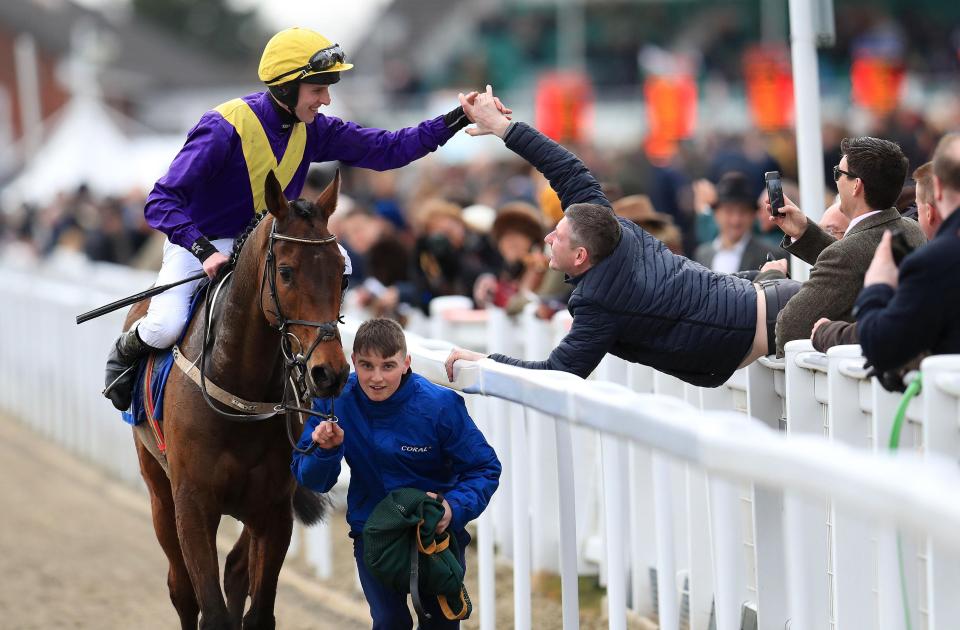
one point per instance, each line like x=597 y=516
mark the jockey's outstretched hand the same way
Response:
x=328 y=435
x=213 y=263
x=470 y=97
x=486 y=111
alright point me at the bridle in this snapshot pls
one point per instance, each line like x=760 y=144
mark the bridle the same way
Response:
x=294 y=363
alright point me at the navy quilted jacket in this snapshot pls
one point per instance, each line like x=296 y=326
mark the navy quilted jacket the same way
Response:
x=642 y=303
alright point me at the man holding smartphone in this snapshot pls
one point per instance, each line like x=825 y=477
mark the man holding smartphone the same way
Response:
x=869 y=178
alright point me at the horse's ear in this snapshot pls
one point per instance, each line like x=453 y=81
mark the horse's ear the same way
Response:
x=327 y=201
x=273 y=195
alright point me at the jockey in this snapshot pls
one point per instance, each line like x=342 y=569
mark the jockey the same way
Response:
x=216 y=183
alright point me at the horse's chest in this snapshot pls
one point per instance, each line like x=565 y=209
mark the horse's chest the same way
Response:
x=255 y=475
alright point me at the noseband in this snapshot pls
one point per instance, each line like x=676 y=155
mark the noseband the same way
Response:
x=294 y=362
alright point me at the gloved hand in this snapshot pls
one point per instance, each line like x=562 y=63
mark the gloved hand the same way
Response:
x=890 y=380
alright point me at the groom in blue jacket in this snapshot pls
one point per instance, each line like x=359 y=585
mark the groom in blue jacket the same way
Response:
x=632 y=296
x=398 y=430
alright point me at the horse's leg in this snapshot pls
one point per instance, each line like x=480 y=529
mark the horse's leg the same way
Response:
x=197 y=526
x=269 y=541
x=236 y=578
x=164 y=524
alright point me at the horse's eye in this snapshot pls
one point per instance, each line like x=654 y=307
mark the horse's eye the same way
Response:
x=344 y=283
x=286 y=273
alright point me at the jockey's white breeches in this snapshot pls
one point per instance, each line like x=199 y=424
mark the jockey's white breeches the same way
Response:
x=167 y=315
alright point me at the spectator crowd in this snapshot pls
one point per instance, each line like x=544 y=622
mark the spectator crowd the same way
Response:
x=79 y=225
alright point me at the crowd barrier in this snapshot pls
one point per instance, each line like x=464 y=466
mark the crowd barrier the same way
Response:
x=769 y=502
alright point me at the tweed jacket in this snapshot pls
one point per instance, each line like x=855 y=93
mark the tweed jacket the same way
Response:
x=837 y=274
x=835 y=334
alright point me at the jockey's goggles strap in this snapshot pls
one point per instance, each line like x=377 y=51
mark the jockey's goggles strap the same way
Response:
x=320 y=61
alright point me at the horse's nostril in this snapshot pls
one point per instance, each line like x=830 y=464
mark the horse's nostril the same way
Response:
x=320 y=375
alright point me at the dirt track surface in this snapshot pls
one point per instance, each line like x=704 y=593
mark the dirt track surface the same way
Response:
x=77 y=550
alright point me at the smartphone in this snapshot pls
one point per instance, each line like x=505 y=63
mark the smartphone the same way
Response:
x=774 y=192
x=900 y=246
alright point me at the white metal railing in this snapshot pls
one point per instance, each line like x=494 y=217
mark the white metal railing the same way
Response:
x=772 y=495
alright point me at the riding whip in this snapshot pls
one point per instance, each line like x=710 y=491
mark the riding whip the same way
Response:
x=112 y=306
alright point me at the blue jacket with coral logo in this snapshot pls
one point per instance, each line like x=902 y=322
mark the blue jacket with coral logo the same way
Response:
x=421 y=437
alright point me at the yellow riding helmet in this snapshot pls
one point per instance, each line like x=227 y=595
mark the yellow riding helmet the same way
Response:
x=298 y=53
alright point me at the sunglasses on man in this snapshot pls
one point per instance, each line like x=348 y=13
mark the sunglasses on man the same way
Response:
x=837 y=172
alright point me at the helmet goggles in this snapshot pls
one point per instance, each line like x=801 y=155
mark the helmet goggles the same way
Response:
x=320 y=61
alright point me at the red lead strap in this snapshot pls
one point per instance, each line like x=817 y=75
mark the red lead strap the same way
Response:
x=150 y=406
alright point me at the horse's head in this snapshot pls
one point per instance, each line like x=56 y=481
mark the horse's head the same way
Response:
x=304 y=284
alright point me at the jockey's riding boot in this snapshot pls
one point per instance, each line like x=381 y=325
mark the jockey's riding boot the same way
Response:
x=121 y=368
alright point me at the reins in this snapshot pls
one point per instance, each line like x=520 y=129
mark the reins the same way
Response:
x=294 y=364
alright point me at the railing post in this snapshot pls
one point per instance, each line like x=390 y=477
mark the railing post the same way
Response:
x=538 y=342
x=521 y=522
x=616 y=541
x=668 y=602
x=728 y=566
x=701 y=548
x=615 y=532
x=567 y=510
x=643 y=548
x=765 y=389
x=805 y=532
x=894 y=545
x=941 y=435
x=501 y=338
x=853 y=550
x=673 y=502
x=486 y=561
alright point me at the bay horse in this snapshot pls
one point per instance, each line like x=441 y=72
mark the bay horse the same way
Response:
x=276 y=323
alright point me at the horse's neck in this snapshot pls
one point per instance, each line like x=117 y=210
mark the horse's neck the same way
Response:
x=245 y=355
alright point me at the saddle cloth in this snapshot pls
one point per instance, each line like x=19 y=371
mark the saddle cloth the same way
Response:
x=152 y=373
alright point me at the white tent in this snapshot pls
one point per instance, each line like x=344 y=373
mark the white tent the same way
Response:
x=85 y=145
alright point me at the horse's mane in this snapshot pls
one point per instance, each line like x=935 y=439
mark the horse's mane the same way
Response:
x=247 y=231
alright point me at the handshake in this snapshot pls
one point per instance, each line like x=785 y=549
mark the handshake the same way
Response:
x=487 y=112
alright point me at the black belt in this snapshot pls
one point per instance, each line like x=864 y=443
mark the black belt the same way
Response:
x=776 y=293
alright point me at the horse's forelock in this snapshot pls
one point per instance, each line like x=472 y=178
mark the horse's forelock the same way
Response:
x=304 y=208
x=309 y=211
